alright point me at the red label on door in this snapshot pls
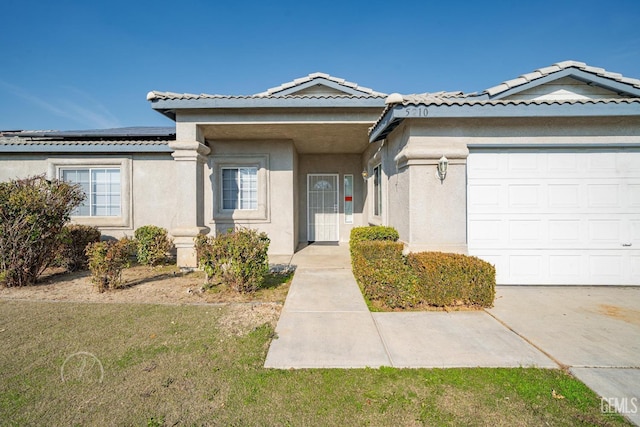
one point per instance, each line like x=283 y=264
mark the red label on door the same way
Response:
x=348 y=198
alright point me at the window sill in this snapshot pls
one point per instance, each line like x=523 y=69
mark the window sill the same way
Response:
x=101 y=221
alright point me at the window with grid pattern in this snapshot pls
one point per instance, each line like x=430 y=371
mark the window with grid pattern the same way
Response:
x=101 y=187
x=240 y=188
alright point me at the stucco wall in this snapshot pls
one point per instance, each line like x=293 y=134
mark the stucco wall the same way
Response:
x=331 y=164
x=399 y=187
x=278 y=218
x=154 y=188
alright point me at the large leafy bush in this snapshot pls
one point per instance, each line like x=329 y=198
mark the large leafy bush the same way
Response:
x=32 y=213
x=237 y=258
x=153 y=244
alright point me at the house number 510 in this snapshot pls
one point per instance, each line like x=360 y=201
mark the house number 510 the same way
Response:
x=416 y=112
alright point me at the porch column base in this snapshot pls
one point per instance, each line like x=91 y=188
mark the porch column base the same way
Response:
x=183 y=239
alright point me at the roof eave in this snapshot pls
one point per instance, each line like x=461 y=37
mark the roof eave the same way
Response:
x=169 y=106
x=396 y=114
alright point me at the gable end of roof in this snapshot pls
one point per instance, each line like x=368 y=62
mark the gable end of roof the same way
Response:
x=615 y=82
x=290 y=88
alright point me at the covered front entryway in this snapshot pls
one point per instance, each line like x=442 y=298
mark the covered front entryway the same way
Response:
x=550 y=216
x=322 y=207
x=315 y=125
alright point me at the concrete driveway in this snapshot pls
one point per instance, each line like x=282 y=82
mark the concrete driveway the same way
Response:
x=592 y=331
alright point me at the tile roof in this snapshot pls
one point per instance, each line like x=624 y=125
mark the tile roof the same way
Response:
x=157 y=95
x=559 y=66
x=430 y=99
x=273 y=92
x=125 y=139
x=484 y=98
x=297 y=82
x=138 y=132
x=28 y=141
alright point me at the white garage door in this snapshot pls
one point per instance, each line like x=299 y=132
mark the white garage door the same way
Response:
x=556 y=216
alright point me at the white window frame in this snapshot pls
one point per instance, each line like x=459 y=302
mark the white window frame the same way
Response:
x=240 y=200
x=376 y=179
x=261 y=213
x=57 y=164
x=90 y=195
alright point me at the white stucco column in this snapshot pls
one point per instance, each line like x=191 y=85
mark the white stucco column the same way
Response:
x=190 y=156
x=438 y=208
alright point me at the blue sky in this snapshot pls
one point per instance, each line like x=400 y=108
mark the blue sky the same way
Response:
x=89 y=64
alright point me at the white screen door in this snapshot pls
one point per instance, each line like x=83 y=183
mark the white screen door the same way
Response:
x=322 y=208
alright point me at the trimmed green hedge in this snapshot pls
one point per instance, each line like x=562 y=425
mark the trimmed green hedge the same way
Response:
x=380 y=269
x=375 y=232
x=448 y=279
x=426 y=278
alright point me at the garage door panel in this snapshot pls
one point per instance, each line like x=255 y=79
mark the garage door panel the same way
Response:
x=633 y=193
x=523 y=163
x=603 y=195
x=561 y=231
x=604 y=232
x=524 y=196
x=486 y=197
x=634 y=267
x=526 y=231
x=605 y=266
x=556 y=217
x=566 y=267
x=565 y=196
x=634 y=235
x=565 y=232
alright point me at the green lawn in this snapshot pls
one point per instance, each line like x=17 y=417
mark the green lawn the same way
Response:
x=202 y=365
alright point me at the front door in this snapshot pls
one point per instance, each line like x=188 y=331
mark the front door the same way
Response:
x=322 y=208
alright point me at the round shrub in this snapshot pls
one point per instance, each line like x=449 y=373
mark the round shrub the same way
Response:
x=153 y=244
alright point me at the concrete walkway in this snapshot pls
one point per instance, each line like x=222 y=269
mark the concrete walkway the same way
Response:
x=592 y=331
x=325 y=323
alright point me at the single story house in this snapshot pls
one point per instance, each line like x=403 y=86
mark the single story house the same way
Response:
x=539 y=175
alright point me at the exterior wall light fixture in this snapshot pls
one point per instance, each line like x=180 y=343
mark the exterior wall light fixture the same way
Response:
x=443 y=164
x=365 y=174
